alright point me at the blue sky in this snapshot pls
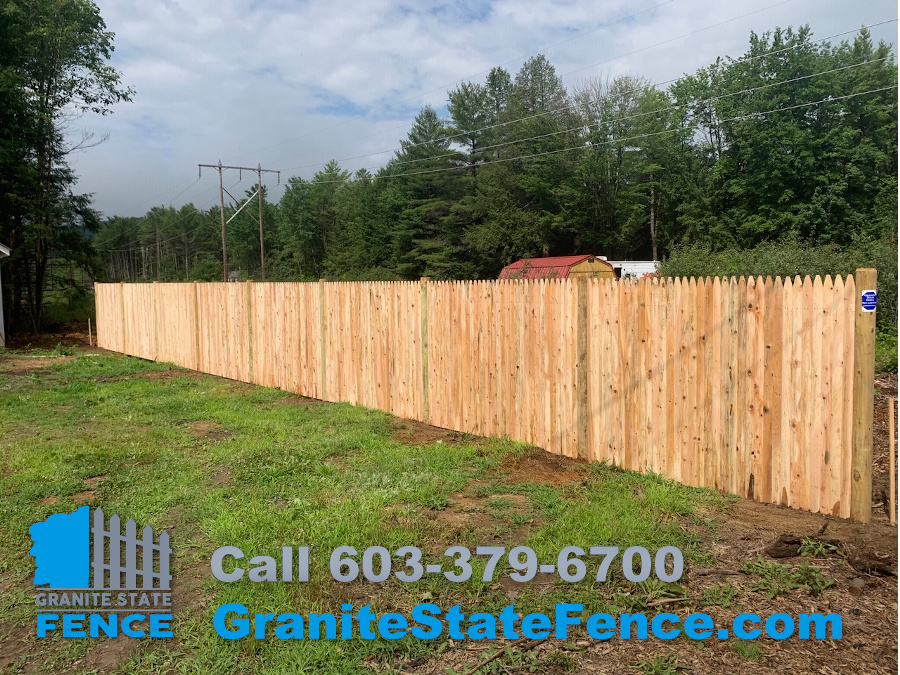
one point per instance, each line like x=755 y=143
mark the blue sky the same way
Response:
x=285 y=83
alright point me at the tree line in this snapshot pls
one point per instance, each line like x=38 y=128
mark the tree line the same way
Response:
x=792 y=143
x=53 y=68
x=794 y=140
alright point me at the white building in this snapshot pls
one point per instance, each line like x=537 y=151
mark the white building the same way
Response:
x=633 y=268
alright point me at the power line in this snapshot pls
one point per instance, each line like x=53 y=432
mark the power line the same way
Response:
x=693 y=32
x=259 y=172
x=749 y=90
x=164 y=192
x=441 y=88
x=170 y=224
x=587 y=145
x=573 y=105
x=613 y=120
x=138 y=225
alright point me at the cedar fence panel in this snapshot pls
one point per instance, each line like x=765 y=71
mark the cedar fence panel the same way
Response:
x=741 y=385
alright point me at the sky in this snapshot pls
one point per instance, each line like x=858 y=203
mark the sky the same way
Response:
x=291 y=84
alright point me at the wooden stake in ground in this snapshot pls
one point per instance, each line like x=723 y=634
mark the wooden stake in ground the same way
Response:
x=891 y=449
x=90 y=337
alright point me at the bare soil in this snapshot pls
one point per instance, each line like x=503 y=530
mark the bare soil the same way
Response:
x=743 y=532
x=206 y=430
x=412 y=432
x=538 y=466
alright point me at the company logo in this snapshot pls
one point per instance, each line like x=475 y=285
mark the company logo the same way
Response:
x=86 y=574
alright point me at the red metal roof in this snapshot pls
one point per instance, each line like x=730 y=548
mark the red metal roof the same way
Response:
x=543 y=268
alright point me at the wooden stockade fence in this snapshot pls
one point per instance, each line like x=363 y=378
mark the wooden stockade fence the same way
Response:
x=751 y=386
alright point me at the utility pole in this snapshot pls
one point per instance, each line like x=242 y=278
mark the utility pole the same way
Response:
x=259 y=172
x=222 y=215
x=262 y=243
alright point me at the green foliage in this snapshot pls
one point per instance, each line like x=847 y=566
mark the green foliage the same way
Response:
x=69 y=304
x=53 y=67
x=720 y=595
x=886 y=351
x=791 y=258
x=776 y=579
x=747 y=650
x=813 y=548
x=713 y=172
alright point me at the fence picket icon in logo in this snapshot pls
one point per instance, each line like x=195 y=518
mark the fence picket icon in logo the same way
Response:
x=131 y=570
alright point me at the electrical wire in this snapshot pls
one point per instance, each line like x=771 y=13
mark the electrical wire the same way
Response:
x=584 y=146
x=175 y=222
x=587 y=145
x=441 y=88
x=573 y=105
x=694 y=32
x=749 y=90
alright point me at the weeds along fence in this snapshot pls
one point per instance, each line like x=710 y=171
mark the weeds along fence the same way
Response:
x=750 y=386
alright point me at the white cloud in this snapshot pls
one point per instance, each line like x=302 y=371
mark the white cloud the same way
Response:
x=280 y=83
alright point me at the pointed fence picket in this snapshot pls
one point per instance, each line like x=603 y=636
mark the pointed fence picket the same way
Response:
x=741 y=385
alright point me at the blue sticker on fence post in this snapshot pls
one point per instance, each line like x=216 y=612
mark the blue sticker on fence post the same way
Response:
x=869 y=300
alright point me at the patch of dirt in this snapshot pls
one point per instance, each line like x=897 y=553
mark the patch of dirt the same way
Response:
x=540 y=466
x=869 y=643
x=412 y=432
x=169 y=374
x=748 y=528
x=94 y=481
x=743 y=532
x=14 y=645
x=467 y=513
x=206 y=430
x=27 y=366
x=74 y=335
x=541 y=583
x=222 y=477
x=494 y=518
x=108 y=654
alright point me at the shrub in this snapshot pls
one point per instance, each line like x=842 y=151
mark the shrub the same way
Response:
x=790 y=258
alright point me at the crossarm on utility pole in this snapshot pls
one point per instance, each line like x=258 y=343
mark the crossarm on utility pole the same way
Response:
x=242 y=206
x=259 y=172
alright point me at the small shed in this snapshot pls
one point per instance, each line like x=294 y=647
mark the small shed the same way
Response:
x=4 y=253
x=560 y=267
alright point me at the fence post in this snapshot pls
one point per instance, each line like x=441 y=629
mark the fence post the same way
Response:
x=197 y=325
x=155 y=292
x=250 y=330
x=322 y=338
x=863 y=400
x=581 y=367
x=423 y=308
x=122 y=306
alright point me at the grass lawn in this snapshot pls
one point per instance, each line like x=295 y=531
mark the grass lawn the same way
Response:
x=215 y=463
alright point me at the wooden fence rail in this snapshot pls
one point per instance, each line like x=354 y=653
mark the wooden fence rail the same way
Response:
x=743 y=385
